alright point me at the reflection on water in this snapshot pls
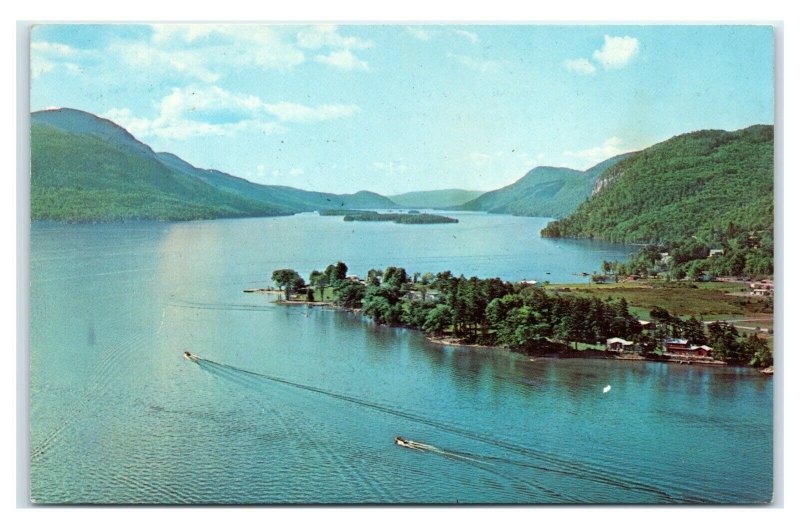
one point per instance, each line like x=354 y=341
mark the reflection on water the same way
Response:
x=305 y=408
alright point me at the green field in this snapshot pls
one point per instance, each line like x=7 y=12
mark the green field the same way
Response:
x=703 y=300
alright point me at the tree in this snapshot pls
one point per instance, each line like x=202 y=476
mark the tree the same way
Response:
x=336 y=273
x=395 y=277
x=350 y=295
x=438 y=319
x=374 y=277
x=320 y=281
x=288 y=279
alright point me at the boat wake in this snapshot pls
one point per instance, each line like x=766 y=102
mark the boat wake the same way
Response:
x=533 y=459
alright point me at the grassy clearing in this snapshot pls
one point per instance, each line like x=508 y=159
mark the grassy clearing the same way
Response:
x=704 y=300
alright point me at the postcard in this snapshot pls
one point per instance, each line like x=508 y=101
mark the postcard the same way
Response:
x=391 y=264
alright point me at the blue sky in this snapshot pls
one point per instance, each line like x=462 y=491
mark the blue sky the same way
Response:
x=397 y=108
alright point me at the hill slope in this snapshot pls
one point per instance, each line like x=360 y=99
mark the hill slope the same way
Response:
x=701 y=184
x=440 y=198
x=85 y=168
x=543 y=191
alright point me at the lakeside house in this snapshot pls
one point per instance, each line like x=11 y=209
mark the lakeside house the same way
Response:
x=355 y=279
x=423 y=295
x=531 y=282
x=716 y=251
x=620 y=345
x=682 y=347
x=647 y=325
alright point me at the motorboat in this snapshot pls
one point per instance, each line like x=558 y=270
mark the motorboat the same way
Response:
x=189 y=356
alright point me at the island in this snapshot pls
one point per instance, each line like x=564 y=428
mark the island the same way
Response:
x=352 y=215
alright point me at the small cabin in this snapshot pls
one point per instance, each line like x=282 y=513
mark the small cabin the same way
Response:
x=619 y=345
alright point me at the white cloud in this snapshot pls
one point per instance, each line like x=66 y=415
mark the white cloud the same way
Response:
x=52 y=48
x=46 y=56
x=328 y=36
x=203 y=52
x=610 y=147
x=472 y=37
x=286 y=111
x=296 y=171
x=212 y=111
x=616 y=51
x=40 y=65
x=418 y=33
x=479 y=65
x=343 y=60
x=581 y=66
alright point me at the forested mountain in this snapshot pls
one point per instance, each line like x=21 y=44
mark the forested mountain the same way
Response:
x=711 y=184
x=85 y=168
x=543 y=191
x=440 y=198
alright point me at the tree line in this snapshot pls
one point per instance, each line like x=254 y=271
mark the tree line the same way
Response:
x=522 y=317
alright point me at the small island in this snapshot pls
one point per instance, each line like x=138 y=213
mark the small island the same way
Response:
x=355 y=215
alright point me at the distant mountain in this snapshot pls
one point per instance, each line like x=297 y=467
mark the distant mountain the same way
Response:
x=703 y=184
x=543 y=191
x=86 y=168
x=439 y=199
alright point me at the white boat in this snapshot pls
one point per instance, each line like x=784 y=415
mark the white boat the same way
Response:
x=189 y=356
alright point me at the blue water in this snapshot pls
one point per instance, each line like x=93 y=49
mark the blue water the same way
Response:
x=303 y=406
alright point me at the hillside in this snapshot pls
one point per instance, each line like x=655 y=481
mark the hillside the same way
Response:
x=438 y=199
x=85 y=168
x=703 y=183
x=543 y=192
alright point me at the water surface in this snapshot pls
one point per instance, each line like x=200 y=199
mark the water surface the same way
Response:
x=303 y=406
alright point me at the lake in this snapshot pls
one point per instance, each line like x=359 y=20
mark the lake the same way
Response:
x=297 y=405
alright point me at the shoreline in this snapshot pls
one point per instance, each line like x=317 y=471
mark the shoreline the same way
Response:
x=566 y=351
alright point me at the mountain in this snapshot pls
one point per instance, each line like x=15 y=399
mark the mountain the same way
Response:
x=439 y=199
x=86 y=168
x=700 y=184
x=543 y=191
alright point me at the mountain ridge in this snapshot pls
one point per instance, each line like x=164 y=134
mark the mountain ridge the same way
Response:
x=707 y=184
x=87 y=168
x=544 y=191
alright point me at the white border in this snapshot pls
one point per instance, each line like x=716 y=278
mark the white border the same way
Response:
x=498 y=11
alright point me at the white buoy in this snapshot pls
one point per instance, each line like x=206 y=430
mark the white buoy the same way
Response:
x=607 y=389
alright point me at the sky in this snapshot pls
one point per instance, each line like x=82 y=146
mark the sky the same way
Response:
x=396 y=108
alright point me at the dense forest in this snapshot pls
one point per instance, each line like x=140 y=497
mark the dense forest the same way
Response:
x=704 y=191
x=543 y=192
x=522 y=317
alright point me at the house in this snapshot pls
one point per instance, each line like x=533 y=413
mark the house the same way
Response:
x=354 y=279
x=678 y=346
x=665 y=258
x=421 y=295
x=531 y=282
x=701 y=350
x=618 y=345
x=647 y=324
x=682 y=347
x=762 y=292
x=716 y=251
